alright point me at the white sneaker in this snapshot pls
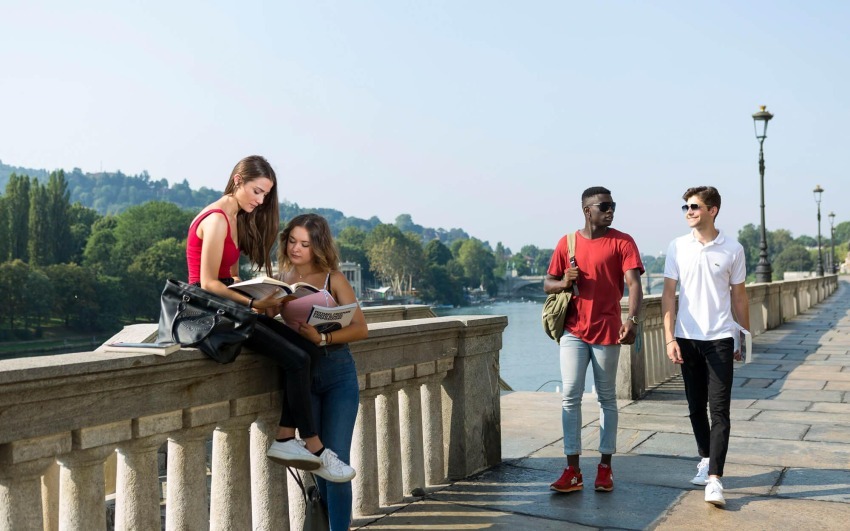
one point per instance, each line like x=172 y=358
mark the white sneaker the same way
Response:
x=714 y=492
x=702 y=473
x=333 y=469
x=295 y=454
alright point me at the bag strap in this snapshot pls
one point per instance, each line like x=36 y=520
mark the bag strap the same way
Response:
x=571 y=243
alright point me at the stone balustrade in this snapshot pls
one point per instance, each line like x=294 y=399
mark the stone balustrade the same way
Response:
x=645 y=364
x=429 y=412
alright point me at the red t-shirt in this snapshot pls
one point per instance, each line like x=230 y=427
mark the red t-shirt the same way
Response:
x=594 y=315
x=193 y=250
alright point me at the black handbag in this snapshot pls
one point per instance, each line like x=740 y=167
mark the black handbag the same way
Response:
x=315 y=512
x=195 y=317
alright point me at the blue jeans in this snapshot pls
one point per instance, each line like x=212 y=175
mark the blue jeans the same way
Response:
x=576 y=355
x=336 y=396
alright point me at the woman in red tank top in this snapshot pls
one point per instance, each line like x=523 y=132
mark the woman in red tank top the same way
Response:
x=246 y=219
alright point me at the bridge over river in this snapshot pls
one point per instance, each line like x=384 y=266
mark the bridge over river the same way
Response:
x=532 y=285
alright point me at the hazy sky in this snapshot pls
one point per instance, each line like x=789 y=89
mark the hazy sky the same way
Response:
x=488 y=116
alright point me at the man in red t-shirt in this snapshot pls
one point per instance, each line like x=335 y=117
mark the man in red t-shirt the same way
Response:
x=605 y=260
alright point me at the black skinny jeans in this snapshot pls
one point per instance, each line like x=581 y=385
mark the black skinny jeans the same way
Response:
x=293 y=354
x=707 y=368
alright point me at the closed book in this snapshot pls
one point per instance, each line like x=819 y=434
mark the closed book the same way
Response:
x=159 y=349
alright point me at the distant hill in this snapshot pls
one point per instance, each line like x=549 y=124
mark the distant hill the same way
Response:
x=112 y=193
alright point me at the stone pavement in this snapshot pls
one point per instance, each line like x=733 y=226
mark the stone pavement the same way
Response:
x=788 y=465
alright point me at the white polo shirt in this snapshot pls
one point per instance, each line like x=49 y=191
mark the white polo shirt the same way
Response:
x=705 y=274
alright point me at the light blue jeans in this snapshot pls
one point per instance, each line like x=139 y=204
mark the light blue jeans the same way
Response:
x=576 y=355
x=335 y=396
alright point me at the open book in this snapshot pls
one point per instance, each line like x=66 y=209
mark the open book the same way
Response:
x=262 y=287
x=328 y=319
x=160 y=349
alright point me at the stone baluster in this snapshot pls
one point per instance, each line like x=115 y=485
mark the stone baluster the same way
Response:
x=230 y=494
x=81 y=489
x=186 y=503
x=364 y=456
x=20 y=492
x=413 y=460
x=50 y=497
x=268 y=479
x=137 y=488
x=432 y=421
x=390 y=481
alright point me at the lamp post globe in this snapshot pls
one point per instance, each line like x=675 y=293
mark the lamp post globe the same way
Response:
x=764 y=273
x=818 y=191
x=833 y=266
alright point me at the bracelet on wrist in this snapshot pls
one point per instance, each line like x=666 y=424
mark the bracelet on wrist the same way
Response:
x=250 y=302
x=330 y=338
x=672 y=340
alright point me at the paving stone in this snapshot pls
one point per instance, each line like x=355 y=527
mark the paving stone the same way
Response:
x=828 y=433
x=830 y=407
x=799 y=384
x=782 y=405
x=808 y=395
x=837 y=386
x=816 y=484
x=632 y=505
x=755 y=512
x=758 y=383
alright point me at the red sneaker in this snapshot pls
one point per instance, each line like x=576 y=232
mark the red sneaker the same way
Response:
x=568 y=482
x=604 y=478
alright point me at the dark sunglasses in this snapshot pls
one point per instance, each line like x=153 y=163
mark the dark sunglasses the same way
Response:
x=692 y=206
x=606 y=206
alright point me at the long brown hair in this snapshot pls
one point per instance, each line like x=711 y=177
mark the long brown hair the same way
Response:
x=257 y=229
x=325 y=254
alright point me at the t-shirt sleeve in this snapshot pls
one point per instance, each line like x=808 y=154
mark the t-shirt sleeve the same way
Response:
x=739 y=267
x=631 y=256
x=560 y=259
x=671 y=267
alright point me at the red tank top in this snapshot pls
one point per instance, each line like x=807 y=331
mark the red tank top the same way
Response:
x=193 y=250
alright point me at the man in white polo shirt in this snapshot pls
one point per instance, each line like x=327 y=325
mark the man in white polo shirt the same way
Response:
x=710 y=269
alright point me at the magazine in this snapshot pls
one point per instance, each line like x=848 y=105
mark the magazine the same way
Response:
x=160 y=349
x=329 y=319
x=743 y=342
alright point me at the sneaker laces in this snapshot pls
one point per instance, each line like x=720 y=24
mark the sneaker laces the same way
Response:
x=332 y=462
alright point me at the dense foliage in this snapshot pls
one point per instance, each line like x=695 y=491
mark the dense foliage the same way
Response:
x=91 y=251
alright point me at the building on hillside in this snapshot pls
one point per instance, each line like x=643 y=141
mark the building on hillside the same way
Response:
x=352 y=272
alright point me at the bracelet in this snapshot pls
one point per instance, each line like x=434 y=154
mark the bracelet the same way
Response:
x=674 y=339
x=250 y=302
x=330 y=338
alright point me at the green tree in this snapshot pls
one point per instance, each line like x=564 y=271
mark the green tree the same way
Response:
x=58 y=218
x=139 y=227
x=806 y=241
x=794 y=257
x=396 y=258
x=39 y=245
x=39 y=292
x=4 y=230
x=81 y=220
x=477 y=263
x=18 y=203
x=13 y=293
x=842 y=233
x=437 y=285
x=148 y=272
x=70 y=285
x=436 y=253
x=98 y=254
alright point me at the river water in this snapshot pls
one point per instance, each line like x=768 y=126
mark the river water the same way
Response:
x=529 y=359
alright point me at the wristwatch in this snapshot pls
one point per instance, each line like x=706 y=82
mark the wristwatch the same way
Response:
x=324 y=340
x=632 y=318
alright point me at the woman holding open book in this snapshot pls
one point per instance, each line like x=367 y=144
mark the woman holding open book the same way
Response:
x=306 y=253
x=246 y=220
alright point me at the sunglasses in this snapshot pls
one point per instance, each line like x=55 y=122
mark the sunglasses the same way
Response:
x=606 y=206
x=693 y=206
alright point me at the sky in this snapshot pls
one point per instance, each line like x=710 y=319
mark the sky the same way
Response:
x=489 y=116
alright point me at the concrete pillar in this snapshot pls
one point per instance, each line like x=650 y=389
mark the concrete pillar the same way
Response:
x=50 y=497
x=20 y=494
x=364 y=458
x=137 y=488
x=268 y=480
x=389 y=454
x=81 y=489
x=230 y=495
x=432 y=424
x=413 y=460
x=186 y=496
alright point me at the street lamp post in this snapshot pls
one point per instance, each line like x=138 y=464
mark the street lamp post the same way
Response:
x=833 y=269
x=764 y=273
x=818 y=191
